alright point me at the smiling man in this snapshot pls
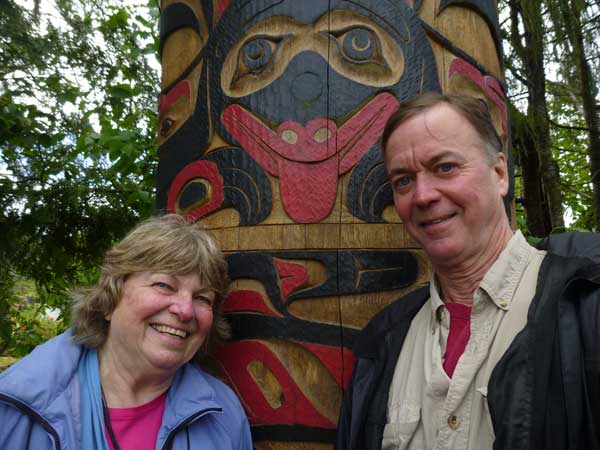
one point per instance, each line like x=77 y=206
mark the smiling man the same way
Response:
x=480 y=358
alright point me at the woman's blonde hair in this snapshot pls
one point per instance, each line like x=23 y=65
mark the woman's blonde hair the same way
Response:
x=166 y=244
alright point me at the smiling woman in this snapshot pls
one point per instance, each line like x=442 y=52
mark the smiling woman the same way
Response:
x=122 y=377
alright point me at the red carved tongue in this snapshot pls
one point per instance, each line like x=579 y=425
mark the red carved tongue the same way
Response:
x=308 y=190
x=307 y=169
x=307 y=158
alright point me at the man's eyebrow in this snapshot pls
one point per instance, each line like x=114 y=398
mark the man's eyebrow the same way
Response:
x=434 y=160
x=398 y=171
x=443 y=155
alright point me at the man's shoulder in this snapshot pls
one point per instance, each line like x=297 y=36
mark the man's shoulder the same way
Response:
x=574 y=244
x=571 y=255
x=389 y=318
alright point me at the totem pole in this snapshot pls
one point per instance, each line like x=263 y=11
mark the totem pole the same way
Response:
x=269 y=119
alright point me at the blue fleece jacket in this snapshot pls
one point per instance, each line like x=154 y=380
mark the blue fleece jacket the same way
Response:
x=39 y=405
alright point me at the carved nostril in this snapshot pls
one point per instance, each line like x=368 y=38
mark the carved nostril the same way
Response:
x=307 y=87
x=289 y=136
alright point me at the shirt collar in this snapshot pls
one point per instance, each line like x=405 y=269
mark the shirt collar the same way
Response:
x=501 y=280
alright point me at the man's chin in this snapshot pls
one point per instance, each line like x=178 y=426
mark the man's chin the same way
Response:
x=442 y=252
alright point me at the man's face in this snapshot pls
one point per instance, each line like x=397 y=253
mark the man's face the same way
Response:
x=446 y=191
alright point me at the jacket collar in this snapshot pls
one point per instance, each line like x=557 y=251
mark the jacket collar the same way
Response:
x=370 y=341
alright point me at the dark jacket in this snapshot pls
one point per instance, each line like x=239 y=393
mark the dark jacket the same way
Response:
x=544 y=393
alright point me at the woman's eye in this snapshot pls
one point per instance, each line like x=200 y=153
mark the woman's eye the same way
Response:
x=161 y=285
x=204 y=299
x=360 y=45
x=255 y=55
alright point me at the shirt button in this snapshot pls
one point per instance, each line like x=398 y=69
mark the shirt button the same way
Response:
x=439 y=314
x=453 y=422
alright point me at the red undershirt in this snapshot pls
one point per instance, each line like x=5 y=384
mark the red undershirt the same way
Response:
x=137 y=428
x=460 y=331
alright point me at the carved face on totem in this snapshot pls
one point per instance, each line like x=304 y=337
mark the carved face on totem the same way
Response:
x=304 y=89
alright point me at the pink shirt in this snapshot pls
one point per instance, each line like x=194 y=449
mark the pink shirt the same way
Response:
x=137 y=428
x=460 y=331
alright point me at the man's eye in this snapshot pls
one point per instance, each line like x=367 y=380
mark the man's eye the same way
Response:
x=445 y=167
x=401 y=182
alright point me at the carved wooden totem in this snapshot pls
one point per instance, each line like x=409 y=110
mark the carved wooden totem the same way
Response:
x=269 y=119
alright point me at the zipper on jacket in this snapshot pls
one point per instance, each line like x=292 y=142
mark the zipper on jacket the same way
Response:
x=35 y=416
x=185 y=423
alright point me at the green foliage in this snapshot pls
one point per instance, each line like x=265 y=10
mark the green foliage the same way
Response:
x=564 y=97
x=77 y=118
x=569 y=149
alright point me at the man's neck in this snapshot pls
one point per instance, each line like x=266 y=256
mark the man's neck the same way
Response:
x=458 y=282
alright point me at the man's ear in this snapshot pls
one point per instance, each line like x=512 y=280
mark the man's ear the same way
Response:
x=501 y=171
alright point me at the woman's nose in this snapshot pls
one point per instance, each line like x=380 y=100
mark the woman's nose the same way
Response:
x=182 y=306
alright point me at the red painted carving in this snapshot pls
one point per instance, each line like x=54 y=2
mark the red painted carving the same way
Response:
x=206 y=170
x=295 y=409
x=340 y=368
x=488 y=84
x=165 y=101
x=292 y=276
x=248 y=301
x=221 y=7
x=308 y=159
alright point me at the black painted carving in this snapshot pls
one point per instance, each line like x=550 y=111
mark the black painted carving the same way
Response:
x=348 y=271
x=191 y=194
x=374 y=271
x=287 y=97
x=175 y=17
x=187 y=144
x=246 y=186
x=369 y=191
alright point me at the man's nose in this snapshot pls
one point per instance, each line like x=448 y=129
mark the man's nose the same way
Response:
x=182 y=306
x=426 y=191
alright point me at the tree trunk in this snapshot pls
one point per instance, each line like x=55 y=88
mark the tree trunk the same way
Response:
x=537 y=217
x=571 y=13
x=532 y=57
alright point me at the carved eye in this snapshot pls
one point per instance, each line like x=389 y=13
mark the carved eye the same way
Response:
x=360 y=45
x=165 y=127
x=255 y=55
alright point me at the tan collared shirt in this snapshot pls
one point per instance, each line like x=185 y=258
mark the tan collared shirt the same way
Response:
x=428 y=410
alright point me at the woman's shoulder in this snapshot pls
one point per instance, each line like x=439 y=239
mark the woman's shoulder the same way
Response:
x=41 y=385
x=51 y=364
x=221 y=392
x=199 y=386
